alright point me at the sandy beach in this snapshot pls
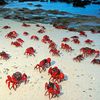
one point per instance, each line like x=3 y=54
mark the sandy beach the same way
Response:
x=82 y=78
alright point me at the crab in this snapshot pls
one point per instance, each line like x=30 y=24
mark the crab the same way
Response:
x=30 y=51
x=72 y=29
x=54 y=52
x=79 y=58
x=95 y=61
x=65 y=39
x=55 y=70
x=74 y=37
x=53 y=89
x=52 y=45
x=82 y=33
x=11 y=35
x=26 y=25
x=4 y=55
x=86 y=51
x=88 y=41
x=25 y=33
x=93 y=31
x=6 y=27
x=43 y=64
x=76 y=41
x=20 y=40
x=34 y=37
x=37 y=25
x=97 y=52
x=56 y=74
x=45 y=39
x=15 y=80
x=60 y=26
x=16 y=44
x=7 y=17
x=66 y=47
x=41 y=30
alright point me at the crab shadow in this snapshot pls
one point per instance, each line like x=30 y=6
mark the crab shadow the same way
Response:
x=65 y=77
x=23 y=82
x=52 y=63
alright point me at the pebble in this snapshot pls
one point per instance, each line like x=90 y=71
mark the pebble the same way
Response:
x=41 y=76
x=77 y=76
x=90 y=89
x=77 y=84
x=10 y=93
x=90 y=95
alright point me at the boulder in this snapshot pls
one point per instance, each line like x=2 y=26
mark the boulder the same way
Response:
x=80 y=3
x=27 y=0
x=2 y=2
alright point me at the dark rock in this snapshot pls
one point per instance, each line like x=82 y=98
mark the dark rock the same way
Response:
x=2 y=2
x=26 y=0
x=96 y=2
x=30 y=4
x=38 y=5
x=80 y=3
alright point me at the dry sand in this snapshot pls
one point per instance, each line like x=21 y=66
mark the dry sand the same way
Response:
x=82 y=81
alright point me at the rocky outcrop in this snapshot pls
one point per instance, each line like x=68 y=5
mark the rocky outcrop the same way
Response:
x=27 y=0
x=2 y=2
x=80 y=3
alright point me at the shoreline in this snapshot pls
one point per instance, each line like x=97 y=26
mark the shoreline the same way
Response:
x=80 y=22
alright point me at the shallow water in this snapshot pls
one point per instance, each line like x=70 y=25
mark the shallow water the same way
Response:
x=92 y=9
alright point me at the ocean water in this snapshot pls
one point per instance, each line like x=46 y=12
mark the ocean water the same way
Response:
x=92 y=9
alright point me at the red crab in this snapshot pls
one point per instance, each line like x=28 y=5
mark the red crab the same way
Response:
x=34 y=37
x=95 y=61
x=52 y=45
x=79 y=58
x=86 y=51
x=72 y=29
x=16 y=44
x=66 y=47
x=16 y=79
x=56 y=74
x=55 y=70
x=82 y=33
x=41 y=31
x=45 y=39
x=93 y=31
x=43 y=64
x=88 y=41
x=6 y=27
x=11 y=35
x=30 y=51
x=76 y=41
x=65 y=39
x=74 y=37
x=7 y=17
x=53 y=89
x=60 y=26
x=26 y=25
x=20 y=40
x=37 y=25
x=97 y=52
x=4 y=55
x=25 y=33
x=54 y=52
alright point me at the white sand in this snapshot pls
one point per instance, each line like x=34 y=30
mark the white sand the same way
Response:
x=83 y=81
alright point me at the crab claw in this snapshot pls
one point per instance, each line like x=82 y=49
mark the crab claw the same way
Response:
x=49 y=60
